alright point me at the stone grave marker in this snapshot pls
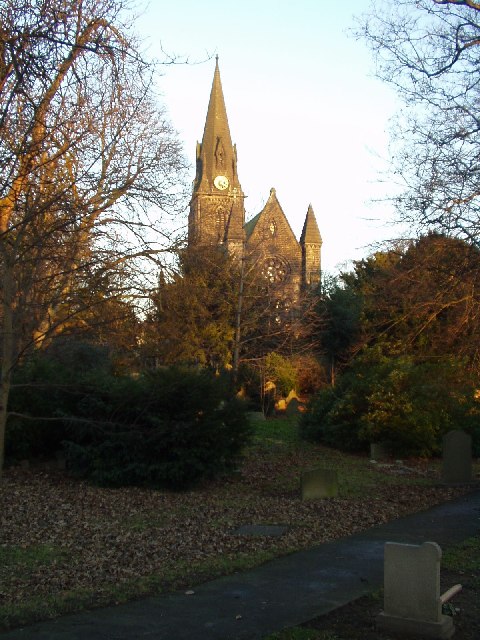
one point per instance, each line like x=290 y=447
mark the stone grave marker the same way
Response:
x=457 y=457
x=292 y=409
x=412 y=600
x=319 y=483
x=378 y=451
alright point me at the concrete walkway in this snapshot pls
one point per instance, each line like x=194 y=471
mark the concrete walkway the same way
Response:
x=282 y=593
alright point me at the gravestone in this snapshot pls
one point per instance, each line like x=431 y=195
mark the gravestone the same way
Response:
x=319 y=483
x=412 y=601
x=293 y=408
x=378 y=451
x=457 y=457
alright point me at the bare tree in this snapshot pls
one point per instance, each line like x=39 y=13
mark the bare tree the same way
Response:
x=90 y=166
x=428 y=50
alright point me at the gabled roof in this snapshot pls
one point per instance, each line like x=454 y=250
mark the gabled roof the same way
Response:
x=310 y=232
x=271 y=212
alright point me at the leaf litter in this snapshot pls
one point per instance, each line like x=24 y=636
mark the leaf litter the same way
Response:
x=102 y=538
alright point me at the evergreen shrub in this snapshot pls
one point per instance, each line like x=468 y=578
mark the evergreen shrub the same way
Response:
x=169 y=428
x=406 y=405
x=45 y=389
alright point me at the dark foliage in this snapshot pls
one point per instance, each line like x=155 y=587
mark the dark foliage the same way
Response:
x=45 y=389
x=169 y=428
x=404 y=404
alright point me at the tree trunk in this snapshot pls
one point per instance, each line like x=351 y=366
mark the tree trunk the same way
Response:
x=238 y=322
x=6 y=355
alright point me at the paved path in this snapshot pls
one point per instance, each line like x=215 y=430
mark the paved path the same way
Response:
x=282 y=593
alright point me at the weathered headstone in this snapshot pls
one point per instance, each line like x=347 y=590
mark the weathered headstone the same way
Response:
x=319 y=483
x=378 y=451
x=457 y=457
x=293 y=408
x=412 y=601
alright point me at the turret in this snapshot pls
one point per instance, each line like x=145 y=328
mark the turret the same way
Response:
x=311 y=243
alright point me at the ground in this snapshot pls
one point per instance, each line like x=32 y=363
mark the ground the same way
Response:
x=356 y=621
x=66 y=545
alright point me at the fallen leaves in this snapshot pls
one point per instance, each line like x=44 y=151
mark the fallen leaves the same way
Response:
x=100 y=538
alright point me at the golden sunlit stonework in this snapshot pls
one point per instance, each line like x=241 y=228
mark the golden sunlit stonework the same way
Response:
x=217 y=212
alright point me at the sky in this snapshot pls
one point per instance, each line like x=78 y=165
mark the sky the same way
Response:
x=305 y=111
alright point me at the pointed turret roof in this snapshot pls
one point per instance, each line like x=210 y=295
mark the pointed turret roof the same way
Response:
x=310 y=232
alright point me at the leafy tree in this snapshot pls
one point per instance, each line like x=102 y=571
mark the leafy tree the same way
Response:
x=406 y=404
x=47 y=387
x=411 y=363
x=195 y=316
x=192 y=319
x=85 y=151
x=419 y=298
x=168 y=428
x=282 y=372
x=428 y=50
x=340 y=308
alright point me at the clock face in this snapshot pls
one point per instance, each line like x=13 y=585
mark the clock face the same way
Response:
x=221 y=182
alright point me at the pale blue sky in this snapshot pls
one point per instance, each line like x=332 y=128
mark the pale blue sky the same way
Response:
x=304 y=109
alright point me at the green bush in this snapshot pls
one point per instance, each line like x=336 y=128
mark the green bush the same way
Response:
x=167 y=428
x=170 y=428
x=282 y=372
x=406 y=405
x=46 y=388
x=330 y=418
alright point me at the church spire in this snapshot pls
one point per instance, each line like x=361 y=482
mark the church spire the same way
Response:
x=216 y=155
x=217 y=211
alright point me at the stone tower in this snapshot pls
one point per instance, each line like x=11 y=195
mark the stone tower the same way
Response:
x=217 y=212
x=311 y=244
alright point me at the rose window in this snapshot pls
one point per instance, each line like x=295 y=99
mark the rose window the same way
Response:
x=275 y=269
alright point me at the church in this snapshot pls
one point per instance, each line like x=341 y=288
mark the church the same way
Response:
x=217 y=213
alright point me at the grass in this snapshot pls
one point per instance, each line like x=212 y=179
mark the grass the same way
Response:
x=182 y=576
x=277 y=431
x=464 y=557
x=356 y=475
x=29 y=558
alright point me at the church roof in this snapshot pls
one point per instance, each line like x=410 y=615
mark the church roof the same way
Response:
x=250 y=225
x=310 y=232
